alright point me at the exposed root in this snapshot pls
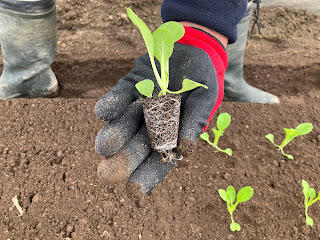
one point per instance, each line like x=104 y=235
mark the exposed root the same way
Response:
x=162 y=120
x=170 y=157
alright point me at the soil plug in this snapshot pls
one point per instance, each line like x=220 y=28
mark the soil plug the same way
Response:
x=301 y=129
x=162 y=111
x=309 y=199
x=229 y=197
x=223 y=122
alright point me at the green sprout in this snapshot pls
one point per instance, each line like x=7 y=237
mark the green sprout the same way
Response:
x=229 y=197
x=301 y=129
x=223 y=122
x=309 y=199
x=160 y=46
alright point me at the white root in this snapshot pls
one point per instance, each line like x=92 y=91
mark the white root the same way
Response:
x=169 y=156
x=17 y=205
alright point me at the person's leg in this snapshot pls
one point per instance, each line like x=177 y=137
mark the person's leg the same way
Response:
x=236 y=88
x=28 y=37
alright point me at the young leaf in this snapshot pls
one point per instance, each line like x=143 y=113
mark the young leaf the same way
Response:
x=309 y=221
x=270 y=137
x=231 y=194
x=188 y=85
x=217 y=133
x=148 y=39
x=289 y=156
x=290 y=134
x=223 y=121
x=145 y=87
x=205 y=136
x=305 y=184
x=245 y=194
x=223 y=195
x=228 y=151
x=311 y=193
x=174 y=28
x=235 y=227
x=145 y=31
x=306 y=187
x=304 y=128
x=163 y=45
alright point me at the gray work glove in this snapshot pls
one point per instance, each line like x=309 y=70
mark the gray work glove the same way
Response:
x=124 y=141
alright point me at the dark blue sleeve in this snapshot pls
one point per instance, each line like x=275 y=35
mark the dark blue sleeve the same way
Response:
x=32 y=7
x=219 y=15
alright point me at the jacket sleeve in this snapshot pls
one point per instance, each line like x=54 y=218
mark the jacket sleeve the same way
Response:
x=221 y=16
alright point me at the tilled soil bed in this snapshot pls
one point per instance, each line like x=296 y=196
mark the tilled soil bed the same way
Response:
x=47 y=145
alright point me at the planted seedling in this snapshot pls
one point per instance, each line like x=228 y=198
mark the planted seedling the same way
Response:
x=301 y=129
x=223 y=123
x=309 y=199
x=161 y=112
x=229 y=197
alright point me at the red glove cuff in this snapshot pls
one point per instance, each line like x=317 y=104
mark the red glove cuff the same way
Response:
x=217 y=54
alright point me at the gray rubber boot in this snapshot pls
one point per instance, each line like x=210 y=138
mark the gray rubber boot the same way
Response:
x=236 y=88
x=28 y=44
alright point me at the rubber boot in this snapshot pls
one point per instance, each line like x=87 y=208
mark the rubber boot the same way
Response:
x=28 y=44
x=236 y=88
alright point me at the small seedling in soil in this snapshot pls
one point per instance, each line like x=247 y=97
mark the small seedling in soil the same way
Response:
x=309 y=199
x=229 y=197
x=301 y=129
x=161 y=112
x=223 y=122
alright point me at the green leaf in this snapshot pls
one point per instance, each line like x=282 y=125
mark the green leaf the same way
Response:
x=188 y=85
x=205 y=136
x=311 y=193
x=270 y=137
x=223 y=121
x=231 y=194
x=174 y=28
x=290 y=134
x=289 y=156
x=148 y=39
x=217 y=133
x=309 y=221
x=145 y=31
x=245 y=194
x=163 y=45
x=223 y=195
x=228 y=151
x=306 y=187
x=304 y=128
x=235 y=227
x=145 y=87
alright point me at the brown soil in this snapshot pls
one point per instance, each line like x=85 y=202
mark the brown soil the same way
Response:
x=47 y=145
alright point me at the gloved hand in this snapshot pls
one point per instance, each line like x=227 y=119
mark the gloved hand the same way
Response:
x=123 y=140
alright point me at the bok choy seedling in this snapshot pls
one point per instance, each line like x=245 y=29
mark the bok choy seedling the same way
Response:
x=223 y=122
x=301 y=129
x=229 y=197
x=160 y=46
x=309 y=199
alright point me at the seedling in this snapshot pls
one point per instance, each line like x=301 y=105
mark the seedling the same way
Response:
x=301 y=129
x=162 y=112
x=223 y=122
x=160 y=46
x=309 y=199
x=229 y=197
